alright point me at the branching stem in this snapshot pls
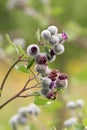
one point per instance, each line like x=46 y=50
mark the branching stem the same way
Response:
x=7 y=74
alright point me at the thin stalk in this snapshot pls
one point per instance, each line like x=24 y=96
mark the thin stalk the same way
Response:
x=7 y=74
x=19 y=93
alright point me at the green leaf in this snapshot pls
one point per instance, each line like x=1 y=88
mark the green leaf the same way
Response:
x=22 y=68
x=21 y=51
x=30 y=63
x=40 y=101
x=38 y=35
x=10 y=42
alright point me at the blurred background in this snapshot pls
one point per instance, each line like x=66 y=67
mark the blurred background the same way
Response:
x=20 y=19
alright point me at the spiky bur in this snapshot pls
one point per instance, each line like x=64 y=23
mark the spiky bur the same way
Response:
x=51 y=80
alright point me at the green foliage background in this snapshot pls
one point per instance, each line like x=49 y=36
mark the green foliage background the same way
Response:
x=68 y=15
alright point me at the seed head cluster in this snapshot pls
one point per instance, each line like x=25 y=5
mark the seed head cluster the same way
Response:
x=52 y=80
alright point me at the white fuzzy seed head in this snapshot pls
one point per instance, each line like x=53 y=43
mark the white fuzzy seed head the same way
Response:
x=23 y=111
x=22 y=120
x=70 y=122
x=53 y=29
x=44 y=92
x=46 y=82
x=79 y=103
x=54 y=40
x=59 y=49
x=71 y=105
x=14 y=121
x=46 y=35
x=33 y=109
x=33 y=50
x=40 y=68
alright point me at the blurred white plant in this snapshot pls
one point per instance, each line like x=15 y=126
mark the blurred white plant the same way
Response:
x=79 y=103
x=71 y=121
x=71 y=105
x=33 y=109
x=19 y=41
x=12 y=4
x=17 y=120
x=24 y=113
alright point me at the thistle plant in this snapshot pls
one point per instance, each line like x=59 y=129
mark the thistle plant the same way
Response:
x=24 y=116
x=38 y=56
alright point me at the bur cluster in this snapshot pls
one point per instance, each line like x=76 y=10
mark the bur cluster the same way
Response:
x=23 y=116
x=52 y=80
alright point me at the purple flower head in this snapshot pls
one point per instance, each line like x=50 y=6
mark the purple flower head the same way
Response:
x=64 y=35
x=41 y=58
x=51 y=95
x=62 y=76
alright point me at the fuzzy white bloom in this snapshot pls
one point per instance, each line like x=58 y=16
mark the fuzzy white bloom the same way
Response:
x=70 y=122
x=19 y=41
x=59 y=49
x=40 y=68
x=33 y=109
x=61 y=40
x=54 y=40
x=22 y=120
x=46 y=34
x=79 y=103
x=17 y=120
x=71 y=105
x=23 y=111
x=53 y=29
x=46 y=82
x=14 y=121
x=33 y=50
x=44 y=92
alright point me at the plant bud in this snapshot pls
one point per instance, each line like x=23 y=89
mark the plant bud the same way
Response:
x=33 y=50
x=58 y=49
x=54 y=40
x=41 y=58
x=79 y=103
x=46 y=82
x=33 y=109
x=44 y=92
x=71 y=105
x=40 y=68
x=53 y=29
x=46 y=35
